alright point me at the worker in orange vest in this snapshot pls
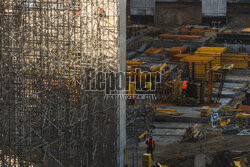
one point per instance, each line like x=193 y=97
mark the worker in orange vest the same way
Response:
x=184 y=87
x=150 y=146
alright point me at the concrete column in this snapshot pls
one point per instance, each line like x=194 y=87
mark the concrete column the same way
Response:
x=122 y=103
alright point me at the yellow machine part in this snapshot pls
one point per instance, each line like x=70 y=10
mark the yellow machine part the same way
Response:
x=237 y=163
x=224 y=122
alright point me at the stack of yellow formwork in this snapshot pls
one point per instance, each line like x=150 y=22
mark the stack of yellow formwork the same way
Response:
x=246 y=30
x=176 y=50
x=146 y=160
x=239 y=60
x=178 y=57
x=198 y=66
x=214 y=52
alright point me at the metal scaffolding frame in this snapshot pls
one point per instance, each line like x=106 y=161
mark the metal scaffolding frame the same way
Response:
x=47 y=48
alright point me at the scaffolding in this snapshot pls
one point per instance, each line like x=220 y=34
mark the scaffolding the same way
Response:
x=47 y=48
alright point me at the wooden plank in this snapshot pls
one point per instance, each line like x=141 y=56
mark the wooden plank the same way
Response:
x=188 y=37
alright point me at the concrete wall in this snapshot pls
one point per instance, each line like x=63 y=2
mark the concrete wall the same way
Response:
x=190 y=13
x=142 y=7
x=238 y=18
x=177 y=13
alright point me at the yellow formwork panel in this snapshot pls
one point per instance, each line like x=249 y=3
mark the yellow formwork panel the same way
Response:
x=197 y=59
x=215 y=52
x=211 y=50
x=239 y=60
x=201 y=65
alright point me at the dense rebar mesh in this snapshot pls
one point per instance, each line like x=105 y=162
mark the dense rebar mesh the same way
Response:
x=46 y=116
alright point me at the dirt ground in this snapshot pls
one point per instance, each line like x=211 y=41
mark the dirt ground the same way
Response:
x=211 y=145
x=215 y=142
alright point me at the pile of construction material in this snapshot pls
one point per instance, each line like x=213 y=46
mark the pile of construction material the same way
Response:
x=234 y=36
x=178 y=57
x=176 y=50
x=234 y=120
x=193 y=133
x=213 y=52
x=239 y=60
x=171 y=86
x=198 y=66
x=196 y=30
x=153 y=50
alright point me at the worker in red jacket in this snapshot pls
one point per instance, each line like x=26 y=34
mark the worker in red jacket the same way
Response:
x=184 y=88
x=150 y=145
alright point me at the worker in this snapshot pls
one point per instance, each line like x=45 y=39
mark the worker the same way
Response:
x=150 y=146
x=184 y=88
x=100 y=12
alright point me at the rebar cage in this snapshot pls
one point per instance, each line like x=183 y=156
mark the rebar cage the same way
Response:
x=47 y=117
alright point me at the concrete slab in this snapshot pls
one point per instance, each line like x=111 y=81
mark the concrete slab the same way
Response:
x=200 y=160
x=166 y=133
x=229 y=85
x=186 y=110
x=238 y=79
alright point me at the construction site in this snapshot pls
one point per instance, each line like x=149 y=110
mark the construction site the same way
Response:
x=136 y=83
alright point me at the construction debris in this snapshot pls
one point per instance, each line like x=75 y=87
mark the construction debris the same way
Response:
x=193 y=133
x=244 y=132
